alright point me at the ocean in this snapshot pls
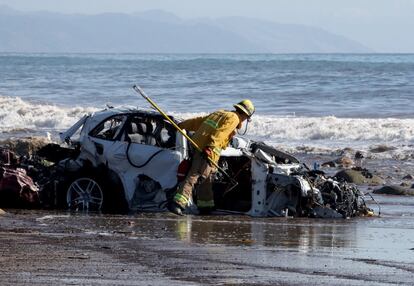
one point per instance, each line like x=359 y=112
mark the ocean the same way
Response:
x=311 y=102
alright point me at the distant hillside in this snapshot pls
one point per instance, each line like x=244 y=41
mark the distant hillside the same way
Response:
x=160 y=32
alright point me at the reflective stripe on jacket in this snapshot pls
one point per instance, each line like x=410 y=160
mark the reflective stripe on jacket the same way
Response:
x=214 y=131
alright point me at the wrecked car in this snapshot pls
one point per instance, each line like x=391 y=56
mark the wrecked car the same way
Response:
x=131 y=159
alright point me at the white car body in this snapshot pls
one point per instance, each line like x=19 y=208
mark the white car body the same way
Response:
x=111 y=138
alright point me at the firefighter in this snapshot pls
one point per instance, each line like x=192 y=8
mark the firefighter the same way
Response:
x=212 y=134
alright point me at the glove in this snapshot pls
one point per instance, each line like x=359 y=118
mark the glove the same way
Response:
x=207 y=152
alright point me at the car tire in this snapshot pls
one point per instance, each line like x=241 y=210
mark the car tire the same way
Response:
x=85 y=194
x=113 y=197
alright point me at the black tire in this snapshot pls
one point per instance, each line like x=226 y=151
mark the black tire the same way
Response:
x=85 y=194
x=95 y=190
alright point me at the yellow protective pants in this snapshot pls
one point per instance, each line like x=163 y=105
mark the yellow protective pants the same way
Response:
x=200 y=172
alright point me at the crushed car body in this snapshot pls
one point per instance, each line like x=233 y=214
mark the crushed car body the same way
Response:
x=131 y=159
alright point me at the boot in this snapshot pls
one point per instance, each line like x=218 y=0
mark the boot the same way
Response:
x=175 y=208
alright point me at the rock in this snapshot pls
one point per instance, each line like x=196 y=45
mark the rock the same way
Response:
x=357 y=177
x=325 y=212
x=344 y=161
x=359 y=155
x=394 y=190
x=382 y=148
x=412 y=187
x=330 y=164
x=25 y=146
x=2 y=212
x=405 y=184
x=347 y=150
x=408 y=177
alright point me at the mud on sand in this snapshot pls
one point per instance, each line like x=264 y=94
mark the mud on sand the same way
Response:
x=59 y=248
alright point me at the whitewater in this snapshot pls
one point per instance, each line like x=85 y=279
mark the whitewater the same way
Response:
x=324 y=134
x=305 y=103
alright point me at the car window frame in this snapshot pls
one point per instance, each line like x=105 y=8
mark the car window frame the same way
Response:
x=120 y=132
x=128 y=116
x=155 y=117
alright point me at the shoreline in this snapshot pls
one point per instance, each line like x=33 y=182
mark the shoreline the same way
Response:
x=379 y=161
x=216 y=250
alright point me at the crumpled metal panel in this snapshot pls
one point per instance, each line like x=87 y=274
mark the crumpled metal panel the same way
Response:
x=162 y=168
x=259 y=175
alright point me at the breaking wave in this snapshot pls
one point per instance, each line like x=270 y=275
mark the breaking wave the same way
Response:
x=331 y=128
x=331 y=135
x=20 y=116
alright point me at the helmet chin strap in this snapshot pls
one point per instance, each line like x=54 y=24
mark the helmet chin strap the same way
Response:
x=245 y=129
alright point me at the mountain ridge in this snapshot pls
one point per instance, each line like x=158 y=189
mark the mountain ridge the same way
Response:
x=157 y=31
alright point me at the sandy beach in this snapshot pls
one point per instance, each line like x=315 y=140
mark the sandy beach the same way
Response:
x=50 y=248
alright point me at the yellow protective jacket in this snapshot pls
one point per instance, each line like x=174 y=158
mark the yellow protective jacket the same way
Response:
x=214 y=130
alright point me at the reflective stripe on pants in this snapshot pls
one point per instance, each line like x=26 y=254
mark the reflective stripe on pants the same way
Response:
x=201 y=171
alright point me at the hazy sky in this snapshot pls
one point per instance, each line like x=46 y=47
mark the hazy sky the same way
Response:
x=383 y=25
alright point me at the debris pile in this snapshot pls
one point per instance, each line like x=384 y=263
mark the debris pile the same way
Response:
x=17 y=189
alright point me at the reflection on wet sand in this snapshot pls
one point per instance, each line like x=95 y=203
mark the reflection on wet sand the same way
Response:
x=226 y=249
x=296 y=234
x=302 y=234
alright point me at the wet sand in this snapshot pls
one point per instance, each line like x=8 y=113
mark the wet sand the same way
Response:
x=59 y=248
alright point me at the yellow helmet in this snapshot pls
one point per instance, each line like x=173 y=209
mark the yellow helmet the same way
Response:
x=246 y=106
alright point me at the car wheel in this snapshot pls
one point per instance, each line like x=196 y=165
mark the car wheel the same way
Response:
x=84 y=194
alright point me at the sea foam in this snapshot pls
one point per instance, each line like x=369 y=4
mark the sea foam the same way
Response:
x=286 y=129
x=331 y=128
x=17 y=115
x=21 y=116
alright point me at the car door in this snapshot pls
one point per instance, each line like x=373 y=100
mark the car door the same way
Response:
x=104 y=139
x=147 y=146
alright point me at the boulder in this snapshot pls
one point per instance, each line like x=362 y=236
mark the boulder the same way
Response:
x=408 y=177
x=382 y=148
x=359 y=177
x=330 y=164
x=25 y=146
x=345 y=161
x=394 y=190
x=2 y=212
